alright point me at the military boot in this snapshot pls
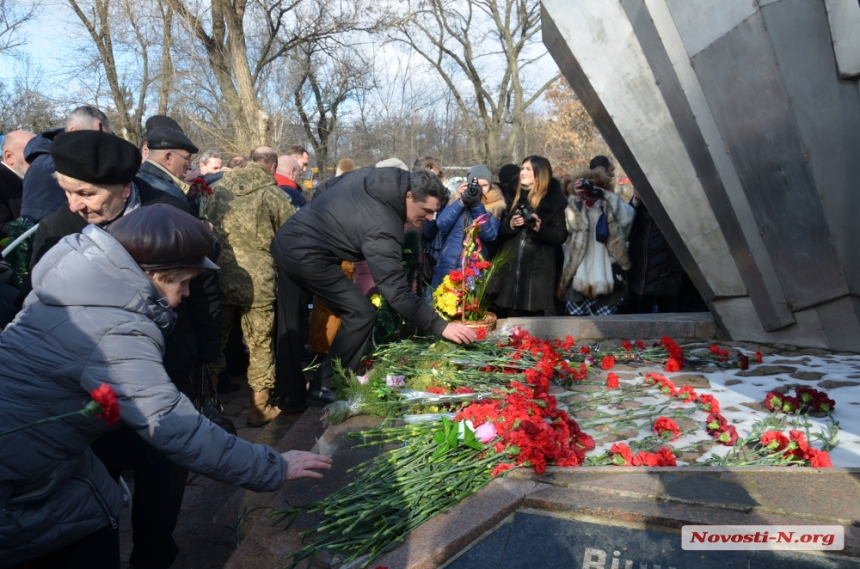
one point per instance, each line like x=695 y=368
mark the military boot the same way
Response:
x=261 y=412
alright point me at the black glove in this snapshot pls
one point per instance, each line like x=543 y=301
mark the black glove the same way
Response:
x=471 y=198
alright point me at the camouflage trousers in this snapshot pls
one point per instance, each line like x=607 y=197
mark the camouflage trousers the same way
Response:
x=258 y=327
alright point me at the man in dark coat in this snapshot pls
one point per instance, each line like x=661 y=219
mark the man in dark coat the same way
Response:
x=359 y=219
x=13 y=167
x=97 y=173
x=42 y=195
x=170 y=153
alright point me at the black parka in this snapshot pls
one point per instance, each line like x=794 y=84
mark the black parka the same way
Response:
x=359 y=218
x=655 y=269
x=527 y=281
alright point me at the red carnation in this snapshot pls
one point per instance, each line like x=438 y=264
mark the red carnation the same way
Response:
x=687 y=394
x=106 y=397
x=456 y=277
x=715 y=349
x=640 y=344
x=663 y=425
x=709 y=403
x=608 y=362
x=774 y=441
x=505 y=466
x=744 y=361
x=643 y=458
x=818 y=458
x=585 y=350
x=611 y=381
x=621 y=454
x=773 y=401
x=665 y=457
x=481 y=333
x=728 y=436
x=627 y=345
x=758 y=357
x=436 y=390
x=673 y=365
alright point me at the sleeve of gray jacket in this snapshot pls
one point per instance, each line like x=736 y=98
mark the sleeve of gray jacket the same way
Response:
x=129 y=360
x=384 y=256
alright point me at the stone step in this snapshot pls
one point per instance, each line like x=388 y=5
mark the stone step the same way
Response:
x=679 y=326
x=212 y=525
x=265 y=546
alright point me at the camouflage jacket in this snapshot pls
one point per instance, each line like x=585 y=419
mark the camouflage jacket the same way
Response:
x=247 y=209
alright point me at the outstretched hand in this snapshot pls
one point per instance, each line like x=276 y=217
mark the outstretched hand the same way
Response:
x=302 y=464
x=459 y=333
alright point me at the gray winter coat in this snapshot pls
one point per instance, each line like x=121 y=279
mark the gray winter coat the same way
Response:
x=94 y=317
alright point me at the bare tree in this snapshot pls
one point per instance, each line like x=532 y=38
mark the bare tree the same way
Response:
x=122 y=45
x=243 y=40
x=13 y=15
x=480 y=51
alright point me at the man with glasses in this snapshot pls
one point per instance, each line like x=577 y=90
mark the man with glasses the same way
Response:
x=170 y=157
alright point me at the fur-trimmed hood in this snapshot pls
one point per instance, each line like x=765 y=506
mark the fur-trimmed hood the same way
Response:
x=598 y=175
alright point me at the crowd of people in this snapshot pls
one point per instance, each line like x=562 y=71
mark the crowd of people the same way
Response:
x=144 y=260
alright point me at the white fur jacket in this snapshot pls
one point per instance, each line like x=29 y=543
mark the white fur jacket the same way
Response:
x=587 y=263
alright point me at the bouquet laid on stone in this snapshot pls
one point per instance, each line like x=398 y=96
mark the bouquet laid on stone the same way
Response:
x=463 y=292
x=486 y=408
x=440 y=464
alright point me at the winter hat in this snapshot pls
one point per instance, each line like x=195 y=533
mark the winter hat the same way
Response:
x=160 y=237
x=156 y=121
x=165 y=138
x=509 y=173
x=95 y=157
x=480 y=172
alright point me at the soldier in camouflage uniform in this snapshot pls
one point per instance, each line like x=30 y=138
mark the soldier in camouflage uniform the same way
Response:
x=247 y=209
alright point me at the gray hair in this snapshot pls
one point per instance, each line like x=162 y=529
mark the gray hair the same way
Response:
x=208 y=154
x=425 y=184
x=84 y=117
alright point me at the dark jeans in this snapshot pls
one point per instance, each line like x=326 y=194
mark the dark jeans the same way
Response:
x=159 y=485
x=99 y=550
x=340 y=295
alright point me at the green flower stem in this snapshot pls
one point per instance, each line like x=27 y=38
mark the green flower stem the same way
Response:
x=87 y=411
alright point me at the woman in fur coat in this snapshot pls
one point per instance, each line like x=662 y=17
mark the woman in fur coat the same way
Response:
x=533 y=225
x=592 y=281
x=457 y=215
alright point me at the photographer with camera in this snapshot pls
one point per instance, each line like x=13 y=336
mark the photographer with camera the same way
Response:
x=473 y=198
x=593 y=281
x=532 y=227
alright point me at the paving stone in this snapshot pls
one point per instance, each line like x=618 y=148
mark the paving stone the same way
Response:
x=711 y=369
x=631 y=404
x=754 y=405
x=586 y=388
x=585 y=414
x=732 y=408
x=685 y=423
x=232 y=409
x=487 y=553
x=807 y=375
x=730 y=382
x=696 y=381
x=830 y=384
x=764 y=369
x=791 y=362
x=627 y=376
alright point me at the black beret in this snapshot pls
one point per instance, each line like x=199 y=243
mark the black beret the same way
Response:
x=95 y=157
x=160 y=237
x=165 y=138
x=156 y=121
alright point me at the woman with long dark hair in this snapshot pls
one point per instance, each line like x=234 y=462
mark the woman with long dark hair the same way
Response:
x=533 y=227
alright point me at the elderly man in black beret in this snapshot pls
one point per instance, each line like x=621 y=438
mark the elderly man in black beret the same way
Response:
x=170 y=157
x=97 y=171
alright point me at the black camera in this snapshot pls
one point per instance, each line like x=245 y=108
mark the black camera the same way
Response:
x=472 y=194
x=592 y=192
x=526 y=211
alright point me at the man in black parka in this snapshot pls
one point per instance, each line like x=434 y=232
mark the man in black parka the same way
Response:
x=360 y=218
